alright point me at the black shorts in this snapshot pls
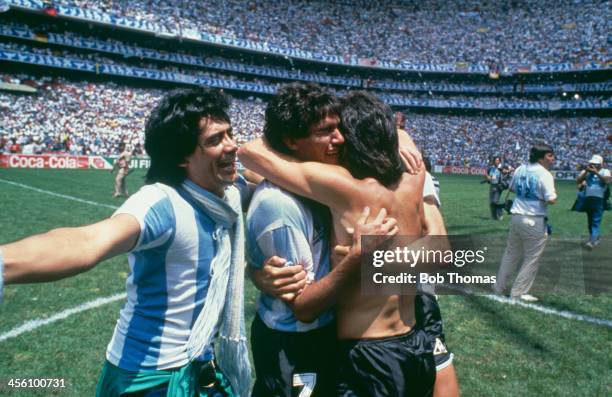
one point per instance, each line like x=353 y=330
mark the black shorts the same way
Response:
x=288 y=363
x=397 y=366
x=429 y=319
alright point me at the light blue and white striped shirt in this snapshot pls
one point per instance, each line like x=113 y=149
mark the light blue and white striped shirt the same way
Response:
x=291 y=227
x=168 y=280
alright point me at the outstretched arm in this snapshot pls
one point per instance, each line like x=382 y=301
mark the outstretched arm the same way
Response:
x=328 y=184
x=65 y=252
x=582 y=177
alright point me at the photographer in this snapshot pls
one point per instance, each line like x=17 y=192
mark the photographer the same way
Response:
x=506 y=177
x=597 y=179
x=494 y=178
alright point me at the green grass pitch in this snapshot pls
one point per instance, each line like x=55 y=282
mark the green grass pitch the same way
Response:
x=500 y=350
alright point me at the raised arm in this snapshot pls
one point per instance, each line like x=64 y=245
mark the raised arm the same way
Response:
x=65 y=252
x=328 y=184
x=413 y=160
x=581 y=177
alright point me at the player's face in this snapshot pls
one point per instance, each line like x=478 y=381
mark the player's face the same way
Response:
x=213 y=164
x=323 y=143
x=548 y=160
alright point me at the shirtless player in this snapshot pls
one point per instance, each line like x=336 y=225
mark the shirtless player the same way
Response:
x=377 y=330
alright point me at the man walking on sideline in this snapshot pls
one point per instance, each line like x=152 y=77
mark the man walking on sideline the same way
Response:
x=493 y=177
x=535 y=190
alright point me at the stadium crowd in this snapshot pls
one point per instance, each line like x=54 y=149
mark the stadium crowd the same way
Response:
x=94 y=118
x=90 y=118
x=55 y=34
x=472 y=141
x=522 y=31
x=237 y=72
x=100 y=59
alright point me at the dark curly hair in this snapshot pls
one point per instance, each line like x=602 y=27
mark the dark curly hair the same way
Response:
x=294 y=109
x=173 y=128
x=371 y=146
x=538 y=151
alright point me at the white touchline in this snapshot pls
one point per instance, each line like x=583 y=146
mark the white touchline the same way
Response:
x=39 y=322
x=33 y=324
x=547 y=310
x=542 y=309
x=65 y=196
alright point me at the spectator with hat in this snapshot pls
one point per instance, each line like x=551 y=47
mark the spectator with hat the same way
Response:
x=597 y=180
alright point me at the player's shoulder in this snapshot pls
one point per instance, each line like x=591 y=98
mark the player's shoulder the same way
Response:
x=544 y=173
x=272 y=202
x=369 y=187
x=270 y=194
x=163 y=198
x=153 y=192
x=150 y=201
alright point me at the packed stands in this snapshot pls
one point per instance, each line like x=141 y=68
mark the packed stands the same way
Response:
x=518 y=32
x=93 y=118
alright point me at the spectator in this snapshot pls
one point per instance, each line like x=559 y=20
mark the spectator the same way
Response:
x=490 y=34
x=597 y=180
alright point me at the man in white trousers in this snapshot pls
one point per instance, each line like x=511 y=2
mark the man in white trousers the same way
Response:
x=534 y=186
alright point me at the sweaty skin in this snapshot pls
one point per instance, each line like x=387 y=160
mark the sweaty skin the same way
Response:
x=359 y=317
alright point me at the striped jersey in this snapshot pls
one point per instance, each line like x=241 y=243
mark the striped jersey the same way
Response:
x=167 y=283
x=431 y=187
x=291 y=227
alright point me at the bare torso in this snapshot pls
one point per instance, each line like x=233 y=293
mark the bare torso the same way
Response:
x=372 y=316
x=358 y=316
x=124 y=161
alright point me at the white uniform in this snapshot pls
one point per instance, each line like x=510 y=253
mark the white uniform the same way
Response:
x=534 y=186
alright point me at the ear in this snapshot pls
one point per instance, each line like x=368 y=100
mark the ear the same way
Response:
x=185 y=162
x=290 y=143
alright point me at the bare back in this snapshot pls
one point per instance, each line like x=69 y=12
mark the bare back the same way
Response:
x=372 y=316
x=334 y=186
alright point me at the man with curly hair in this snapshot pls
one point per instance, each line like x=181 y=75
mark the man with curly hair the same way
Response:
x=303 y=121
x=183 y=232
